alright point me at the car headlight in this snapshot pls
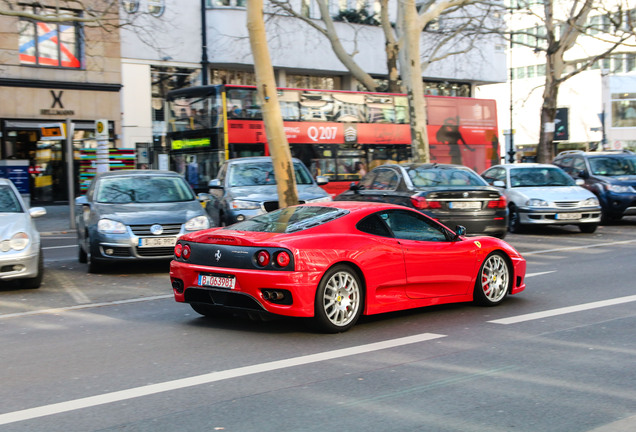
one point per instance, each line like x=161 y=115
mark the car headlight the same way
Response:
x=107 y=226
x=17 y=242
x=620 y=189
x=536 y=202
x=323 y=199
x=245 y=205
x=590 y=202
x=197 y=223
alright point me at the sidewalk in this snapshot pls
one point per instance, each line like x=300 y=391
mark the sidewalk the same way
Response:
x=57 y=220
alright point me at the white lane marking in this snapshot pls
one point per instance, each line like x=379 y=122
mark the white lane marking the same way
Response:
x=91 y=401
x=59 y=247
x=84 y=306
x=540 y=273
x=577 y=247
x=564 y=310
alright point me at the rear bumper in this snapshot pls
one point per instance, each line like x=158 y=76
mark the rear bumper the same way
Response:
x=248 y=293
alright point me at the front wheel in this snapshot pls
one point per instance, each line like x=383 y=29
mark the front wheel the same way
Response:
x=339 y=300
x=493 y=280
x=514 y=220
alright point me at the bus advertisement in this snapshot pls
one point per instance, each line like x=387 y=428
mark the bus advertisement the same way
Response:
x=337 y=134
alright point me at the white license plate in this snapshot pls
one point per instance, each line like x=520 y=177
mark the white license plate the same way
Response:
x=217 y=281
x=465 y=205
x=568 y=216
x=157 y=241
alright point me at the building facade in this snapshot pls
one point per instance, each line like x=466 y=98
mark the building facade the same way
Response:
x=55 y=73
x=595 y=106
x=168 y=54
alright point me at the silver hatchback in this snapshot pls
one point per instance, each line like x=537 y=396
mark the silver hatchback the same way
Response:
x=20 y=249
x=542 y=194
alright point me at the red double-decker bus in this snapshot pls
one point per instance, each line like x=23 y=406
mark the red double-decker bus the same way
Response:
x=337 y=134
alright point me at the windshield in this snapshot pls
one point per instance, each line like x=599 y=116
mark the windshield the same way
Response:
x=540 y=176
x=427 y=176
x=143 y=189
x=613 y=166
x=262 y=173
x=8 y=201
x=290 y=219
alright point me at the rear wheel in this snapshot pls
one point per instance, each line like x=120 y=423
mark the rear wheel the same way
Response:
x=493 y=280
x=339 y=300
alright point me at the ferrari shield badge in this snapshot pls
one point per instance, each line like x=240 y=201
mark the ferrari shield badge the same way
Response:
x=478 y=244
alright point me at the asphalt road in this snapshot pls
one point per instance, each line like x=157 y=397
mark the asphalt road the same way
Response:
x=114 y=352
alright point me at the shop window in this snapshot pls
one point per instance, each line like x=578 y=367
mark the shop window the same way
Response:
x=227 y=3
x=47 y=43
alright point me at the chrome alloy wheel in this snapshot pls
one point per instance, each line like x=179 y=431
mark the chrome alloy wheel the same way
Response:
x=341 y=299
x=494 y=277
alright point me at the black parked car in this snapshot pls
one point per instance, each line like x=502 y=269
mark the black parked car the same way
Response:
x=452 y=194
x=610 y=175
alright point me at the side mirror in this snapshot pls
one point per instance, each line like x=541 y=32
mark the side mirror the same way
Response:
x=354 y=186
x=579 y=182
x=460 y=231
x=499 y=183
x=584 y=174
x=36 y=212
x=81 y=200
x=215 y=184
x=322 y=180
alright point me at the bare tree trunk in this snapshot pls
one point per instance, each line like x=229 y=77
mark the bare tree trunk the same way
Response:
x=545 y=149
x=391 y=48
x=272 y=117
x=411 y=69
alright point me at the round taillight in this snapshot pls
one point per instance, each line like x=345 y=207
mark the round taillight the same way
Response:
x=283 y=259
x=262 y=258
x=178 y=249
x=186 y=252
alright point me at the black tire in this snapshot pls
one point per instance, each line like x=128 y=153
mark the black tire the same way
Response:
x=514 y=224
x=339 y=300
x=82 y=256
x=35 y=282
x=493 y=280
x=588 y=228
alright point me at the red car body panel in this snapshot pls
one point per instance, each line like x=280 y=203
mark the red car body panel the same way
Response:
x=396 y=274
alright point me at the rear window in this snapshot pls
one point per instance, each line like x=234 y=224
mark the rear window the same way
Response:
x=143 y=189
x=443 y=176
x=290 y=219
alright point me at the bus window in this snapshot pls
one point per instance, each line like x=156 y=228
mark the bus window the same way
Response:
x=316 y=106
x=242 y=103
x=380 y=109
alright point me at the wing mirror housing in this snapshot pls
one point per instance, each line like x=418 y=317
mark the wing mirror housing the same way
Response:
x=322 y=180
x=215 y=184
x=498 y=183
x=460 y=231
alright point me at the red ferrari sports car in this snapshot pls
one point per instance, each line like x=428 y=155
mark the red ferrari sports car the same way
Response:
x=335 y=261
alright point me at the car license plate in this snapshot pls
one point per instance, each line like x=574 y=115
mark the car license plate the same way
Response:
x=157 y=241
x=568 y=216
x=217 y=281
x=465 y=205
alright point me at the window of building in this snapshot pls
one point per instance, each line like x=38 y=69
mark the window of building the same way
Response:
x=617 y=63
x=531 y=71
x=50 y=44
x=226 y=3
x=156 y=7
x=630 y=62
x=222 y=76
x=624 y=110
x=541 y=70
x=130 y=6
